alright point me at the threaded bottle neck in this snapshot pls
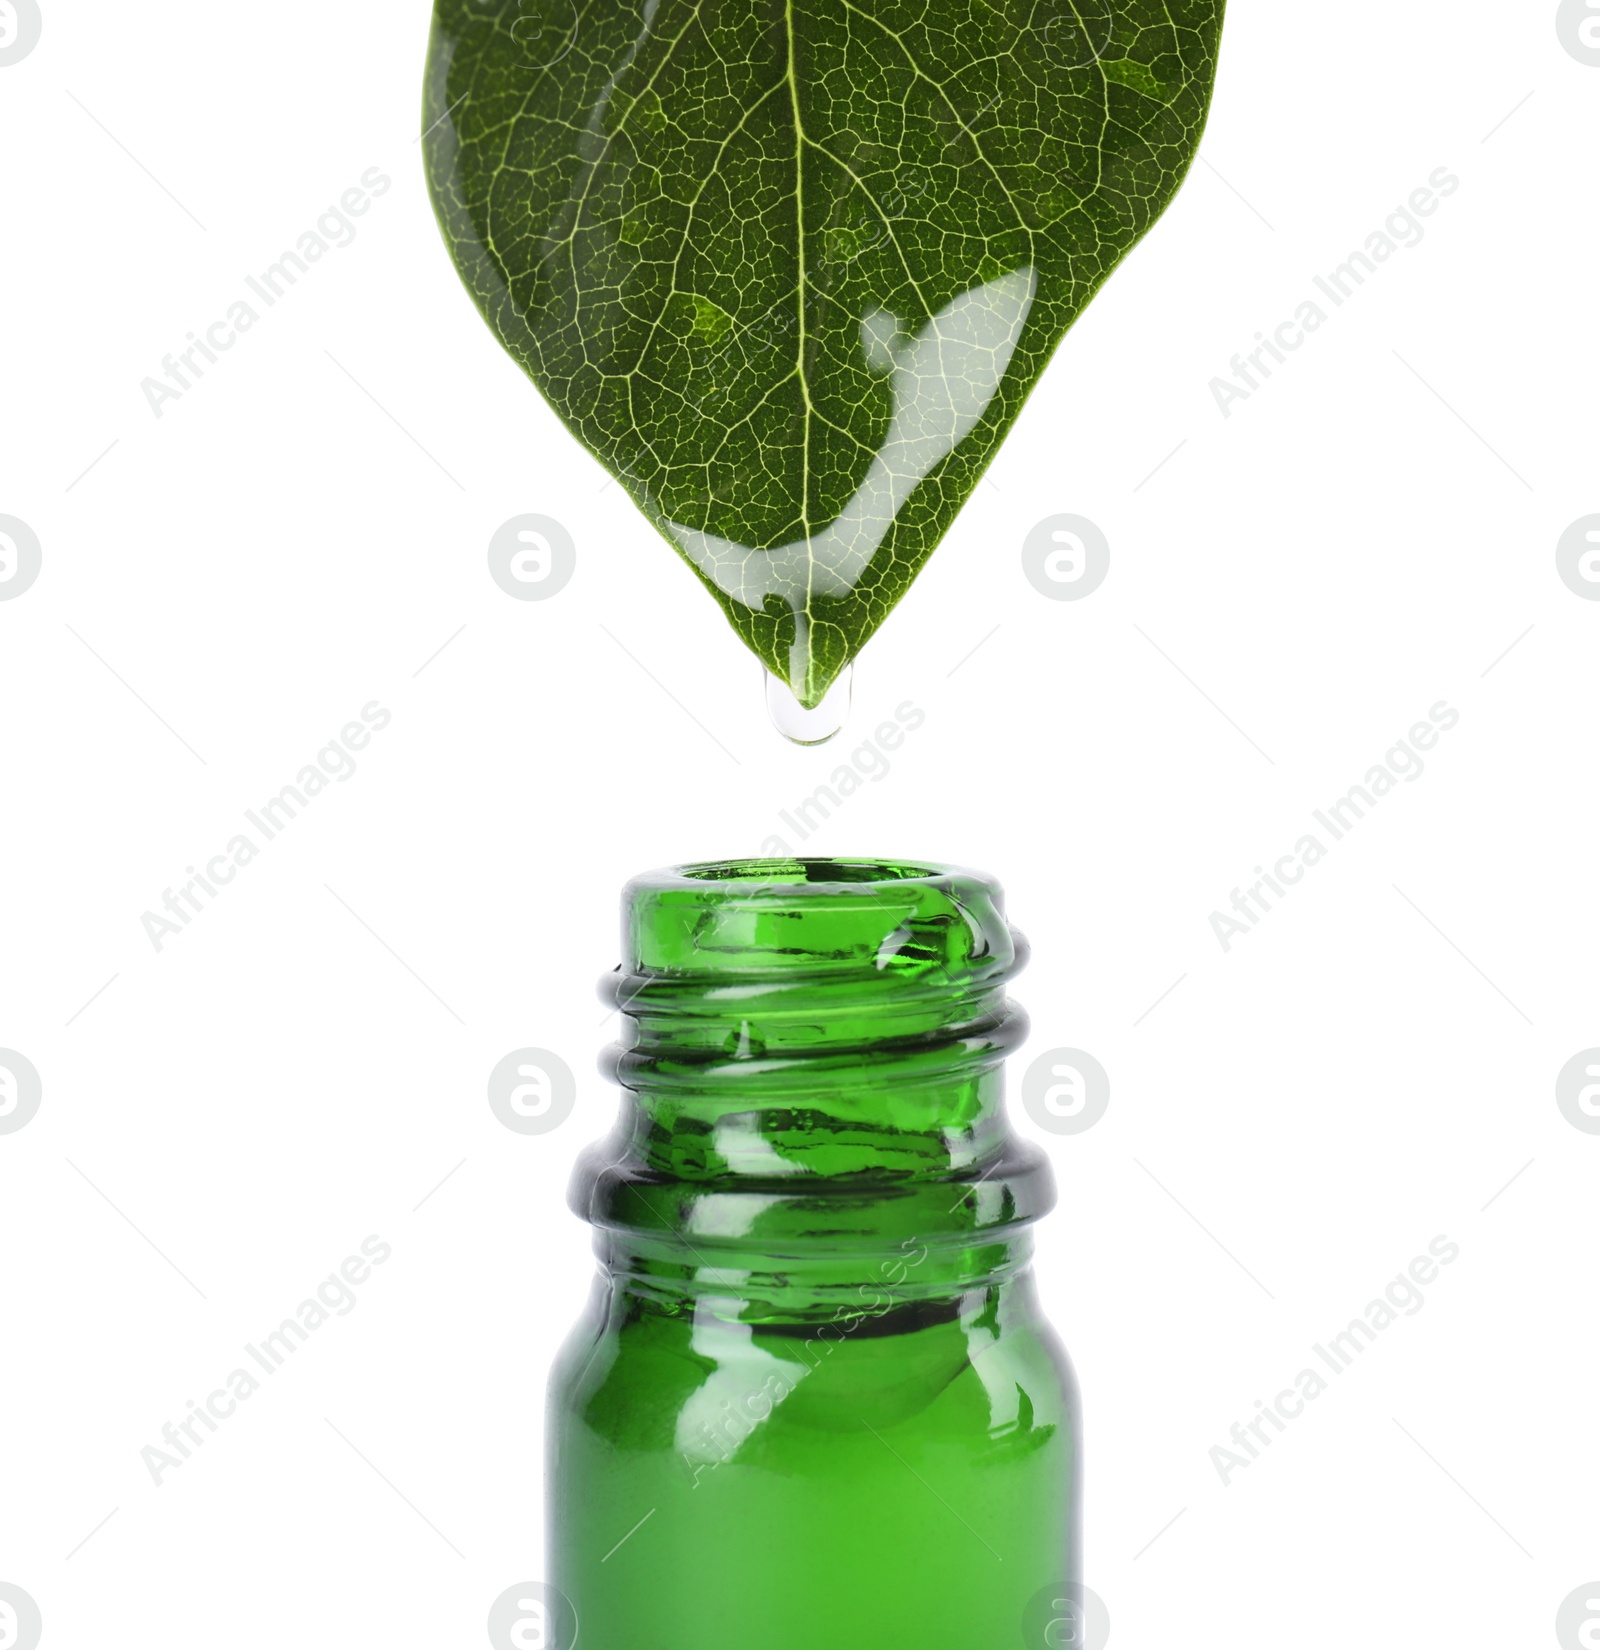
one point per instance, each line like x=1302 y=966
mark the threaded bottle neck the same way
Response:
x=811 y=1055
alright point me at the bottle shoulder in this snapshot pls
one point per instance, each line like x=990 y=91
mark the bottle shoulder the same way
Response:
x=983 y=1369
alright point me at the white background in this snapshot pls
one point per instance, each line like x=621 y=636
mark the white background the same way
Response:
x=1292 y=589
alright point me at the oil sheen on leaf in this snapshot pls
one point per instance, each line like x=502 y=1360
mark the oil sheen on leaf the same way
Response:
x=790 y=270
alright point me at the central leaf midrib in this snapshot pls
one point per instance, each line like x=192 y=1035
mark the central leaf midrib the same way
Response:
x=800 y=300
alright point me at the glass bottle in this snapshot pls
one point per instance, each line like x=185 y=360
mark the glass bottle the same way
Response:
x=813 y=1404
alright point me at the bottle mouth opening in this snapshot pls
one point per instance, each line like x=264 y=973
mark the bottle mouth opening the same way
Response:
x=776 y=873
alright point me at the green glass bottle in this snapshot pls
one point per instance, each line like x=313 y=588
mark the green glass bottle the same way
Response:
x=813 y=1404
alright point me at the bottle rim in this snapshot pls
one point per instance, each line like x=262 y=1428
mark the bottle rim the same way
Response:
x=814 y=871
x=877 y=920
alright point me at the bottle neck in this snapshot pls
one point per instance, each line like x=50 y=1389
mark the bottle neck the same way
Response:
x=811 y=1065
x=777 y=1086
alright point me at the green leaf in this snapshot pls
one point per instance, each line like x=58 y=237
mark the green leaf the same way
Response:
x=789 y=270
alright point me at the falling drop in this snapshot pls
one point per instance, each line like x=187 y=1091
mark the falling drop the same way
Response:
x=809 y=727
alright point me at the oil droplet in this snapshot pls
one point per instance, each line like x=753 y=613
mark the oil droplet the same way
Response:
x=809 y=727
